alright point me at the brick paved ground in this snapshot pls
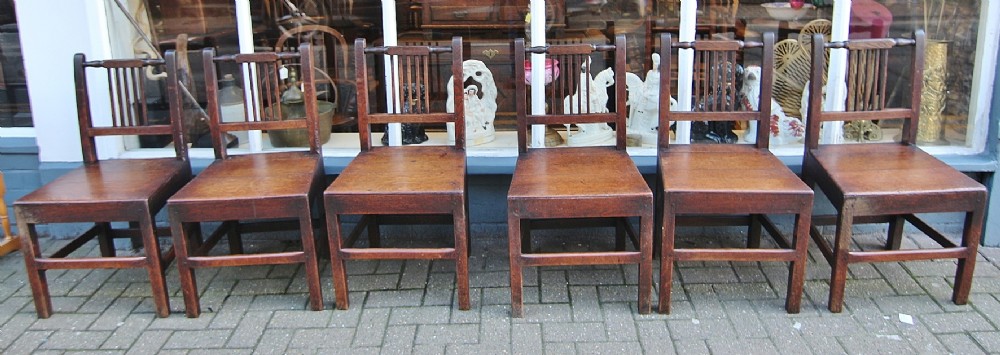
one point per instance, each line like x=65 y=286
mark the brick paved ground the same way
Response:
x=408 y=307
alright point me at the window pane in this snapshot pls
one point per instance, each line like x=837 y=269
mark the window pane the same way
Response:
x=14 y=108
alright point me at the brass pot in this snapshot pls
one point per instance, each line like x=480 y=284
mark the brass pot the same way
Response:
x=298 y=137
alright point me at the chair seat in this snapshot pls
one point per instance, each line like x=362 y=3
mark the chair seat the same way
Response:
x=125 y=180
x=886 y=170
x=253 y=177
x=726 y=169
x=576 y=173
x=413 y=170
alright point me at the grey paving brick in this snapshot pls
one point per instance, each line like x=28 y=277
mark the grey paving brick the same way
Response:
x=231 y=312
x=447 y=334
x=150 y=342
x=14 y=328
x=595 y=277
x=128 y=331
x=573 y=332
x=260 y=286
x=371 y=328
x=876 y=343
x=527 y=338
x=374 y=282
x=76 y=340
x=655 y=337
x=279 y=302
x=300 y=319
x=415 y=274
x=708 y=275
x=741 y=346
x=182 y=323
x=394 y=298
x=695 y=328
x=619 y=293
x=195 y=339
x=584 y=304
x=420 y=315
x=495 y=326
x=691 y=346
x=619 y=323
x=990 y=341
x=28 y=342
x=899 y=279
x=560 y=348
x=744 y=319
x=554 y=286
x=744 y=290
x=824 y=345
x=220 y=351
x=554 y=312
x=250 y=329
x=955 y=322
x=274 y=341
x=113 y=316
x=830 y=326
x=478 y=349
x=64 y=321
x=321 y=338
x=960 y=344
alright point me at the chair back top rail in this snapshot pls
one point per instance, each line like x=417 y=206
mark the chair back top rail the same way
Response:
x=128 y=95
x=571 y=85
x=716 y=88
x=265 y=90
x=409 y=94
x=867 y=84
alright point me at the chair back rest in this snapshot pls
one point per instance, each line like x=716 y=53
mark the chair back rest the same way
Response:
x=868 y=63
x=130 y=83
x=570 y=96
x=262 y=99
x=409 y=94
x=717 y=88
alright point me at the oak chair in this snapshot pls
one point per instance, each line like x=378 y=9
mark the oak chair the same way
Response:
x=557 y=185
x=247 y=192
x=8 y=241
x=386 y=182
x=885 y=182
x=110 y=190
x=727 y=183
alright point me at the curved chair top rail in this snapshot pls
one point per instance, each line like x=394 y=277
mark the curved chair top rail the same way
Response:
x=570 y=98
x=409 y=94
x=130 y=83
x=867 y=83
x=262 y=102
x=715 y=93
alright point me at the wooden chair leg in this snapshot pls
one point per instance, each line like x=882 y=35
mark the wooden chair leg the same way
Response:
x=374 y=233
x=462 y=259
x=620 y=235
x=336 y=262
x=514 y=234
x=311 y=264
x=895 y=237
x=105 y=240
x=797 y=268
x=235 y=237
x=754 y=230
x=36 y=277
x=666 y=259
x=971 y=233
x=838 y=277
x=646 y=263
x=154 y=267
x=189 y=286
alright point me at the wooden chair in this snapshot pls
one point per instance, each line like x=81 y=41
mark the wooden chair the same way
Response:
x=115 y=190
x=723 y=181
x=885 y=182
x=552 y=185
x=10 y=242
x=245 y=191
x=384 y=182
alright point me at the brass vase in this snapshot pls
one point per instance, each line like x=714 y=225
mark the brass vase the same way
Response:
x=932 y=98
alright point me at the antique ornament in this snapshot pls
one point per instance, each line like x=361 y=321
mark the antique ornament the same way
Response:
x=480 y=103
x=644 y=104
x=597 y=102
x=784 y=129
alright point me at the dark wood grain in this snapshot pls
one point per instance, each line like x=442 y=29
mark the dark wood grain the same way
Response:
x=595 y=183
x=428 y=181
x=721 y=180
x=893 y=181
x=103 y=191
x=237 y=189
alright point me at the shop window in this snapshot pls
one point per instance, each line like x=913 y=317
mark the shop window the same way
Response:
x=14 y=108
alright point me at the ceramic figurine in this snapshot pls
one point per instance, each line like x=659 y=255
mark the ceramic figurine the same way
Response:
x=644 y=104
x=413 y=133
x=597 y=102
x=718 y=131
x=783 y=129
x=480 y=103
